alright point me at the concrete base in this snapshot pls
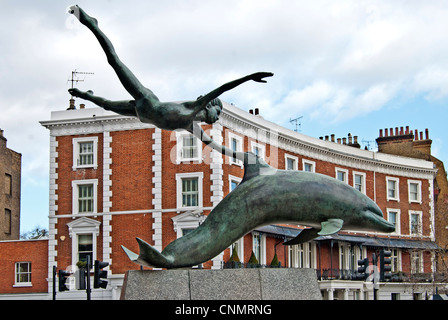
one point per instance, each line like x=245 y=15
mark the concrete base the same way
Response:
x=224 y=284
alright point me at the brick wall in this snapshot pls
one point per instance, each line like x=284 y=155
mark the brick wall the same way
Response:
x=10 y=180
x=34 y=251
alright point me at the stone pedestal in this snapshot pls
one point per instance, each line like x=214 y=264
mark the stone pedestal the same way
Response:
x=225 y=284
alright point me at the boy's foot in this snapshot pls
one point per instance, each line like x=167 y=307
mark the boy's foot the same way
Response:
x=83 y=17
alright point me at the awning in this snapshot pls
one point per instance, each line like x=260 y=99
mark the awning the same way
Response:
x=383 y=242
x=281 y=232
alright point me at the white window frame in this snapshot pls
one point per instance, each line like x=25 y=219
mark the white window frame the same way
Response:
x=239 y=148
x=29 y=273
x=262 y=237
x=363 y=183
x=345 y=171
x=83 y=226
x=344 y=256
x=233 y=179
x=398 y=222
x=262 y=148
x=295 y=163
x=397 y=259
x=240 y=248
x=420 y=226
x=419 y=191
x=179 y=177
x=397 y=190
x=76 y=142
x=416 y=261
x=312 y=163
x=75 y=195
x=180 y=146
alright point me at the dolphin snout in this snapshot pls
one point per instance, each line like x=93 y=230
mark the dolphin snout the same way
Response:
x=388 y=227
x=382 y=225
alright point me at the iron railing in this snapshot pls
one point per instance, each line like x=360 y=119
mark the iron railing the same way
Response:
x=352 y=275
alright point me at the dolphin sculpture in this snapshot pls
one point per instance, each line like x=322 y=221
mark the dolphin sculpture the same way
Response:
x=267 y=196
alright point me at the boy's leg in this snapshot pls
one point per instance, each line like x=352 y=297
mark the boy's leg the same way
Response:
x=125 y=108
x=127 y=78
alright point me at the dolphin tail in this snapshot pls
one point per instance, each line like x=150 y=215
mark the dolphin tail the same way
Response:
x=304 y=236
x=149 y=256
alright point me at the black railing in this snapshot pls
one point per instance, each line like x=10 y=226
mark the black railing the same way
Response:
x=337 y=274
x=344 y=274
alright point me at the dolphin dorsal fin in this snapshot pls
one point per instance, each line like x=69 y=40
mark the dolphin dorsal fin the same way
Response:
x=254 y=166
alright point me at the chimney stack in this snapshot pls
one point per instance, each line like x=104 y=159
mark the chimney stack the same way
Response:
x=405 y=142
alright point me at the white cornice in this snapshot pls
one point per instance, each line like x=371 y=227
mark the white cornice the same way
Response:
x=97 y=120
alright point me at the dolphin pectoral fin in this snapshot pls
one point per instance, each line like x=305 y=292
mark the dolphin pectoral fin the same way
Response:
x=304 y=236
x=330 y=226
x=148 y=256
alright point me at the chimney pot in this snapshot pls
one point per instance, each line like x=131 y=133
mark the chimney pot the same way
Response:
x=339 y=140
x=251 y=111
x=344 y=140
x=257 y=111
x=82 y=106
x=391 y=133
x=407 y=129
x=415 y=135
x=332 y=137
x=381 y=133
x=427 y=133
x=72 y=105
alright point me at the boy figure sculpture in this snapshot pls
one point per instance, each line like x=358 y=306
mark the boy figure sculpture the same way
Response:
x=146 y=106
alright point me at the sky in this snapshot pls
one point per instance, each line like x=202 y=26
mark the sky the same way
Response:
x=342 y=66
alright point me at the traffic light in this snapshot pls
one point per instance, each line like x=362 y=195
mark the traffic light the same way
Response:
x=99 y=274
x=63 y=275
x=385 y=267
x=363 y=269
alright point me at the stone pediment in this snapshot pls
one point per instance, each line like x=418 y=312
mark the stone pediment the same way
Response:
x=84 y=224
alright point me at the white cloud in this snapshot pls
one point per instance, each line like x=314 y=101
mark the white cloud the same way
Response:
x=333 y=60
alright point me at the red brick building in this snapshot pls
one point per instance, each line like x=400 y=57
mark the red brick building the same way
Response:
x=24 y=269
x=113 y=179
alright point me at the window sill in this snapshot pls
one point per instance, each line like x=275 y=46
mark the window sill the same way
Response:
x=90 y=166
x=22 y=285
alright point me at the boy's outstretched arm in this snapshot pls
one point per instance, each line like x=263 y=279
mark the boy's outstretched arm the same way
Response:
x=202 y=102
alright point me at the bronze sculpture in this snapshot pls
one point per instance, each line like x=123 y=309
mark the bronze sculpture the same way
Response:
x=321 y=202
x=146 y=106
x=325 y=204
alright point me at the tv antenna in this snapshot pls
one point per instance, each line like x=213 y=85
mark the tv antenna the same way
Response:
x=75 y=77
x=297 y=123
x=368 y=143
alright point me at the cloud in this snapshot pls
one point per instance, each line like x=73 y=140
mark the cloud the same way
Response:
x=334 y=61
